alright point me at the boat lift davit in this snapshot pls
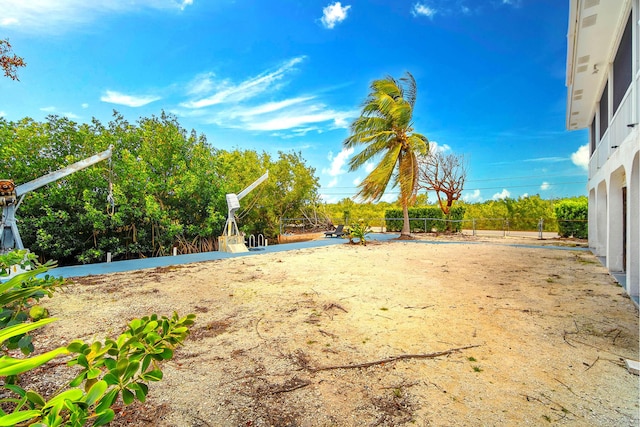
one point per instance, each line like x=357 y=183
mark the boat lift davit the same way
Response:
x=231 y=240
x=11 y=197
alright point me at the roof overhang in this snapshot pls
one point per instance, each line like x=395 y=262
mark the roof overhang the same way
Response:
x=595 y=29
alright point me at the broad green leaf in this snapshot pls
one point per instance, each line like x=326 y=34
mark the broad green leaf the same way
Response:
x=76 y=346
x=96 y=392
x=104 y=418
x=132 y=369
x=35 y=398
x=17 y=417
x=13 y=331
x=16 y=389
x=141 y=390
x=93 y=373
x=73 y=394
x=167 y=354
x=78 y=380
x=111 y=379
x=107 y=400
x=127 y=396
x=151 y=326
x=155 y=375
x=11 y=366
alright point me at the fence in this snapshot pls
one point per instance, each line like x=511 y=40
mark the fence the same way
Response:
x=529 y=227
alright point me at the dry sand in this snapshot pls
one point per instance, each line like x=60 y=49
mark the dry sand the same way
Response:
x=547 y=332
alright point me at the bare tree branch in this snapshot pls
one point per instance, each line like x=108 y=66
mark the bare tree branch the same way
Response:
x=443 y=174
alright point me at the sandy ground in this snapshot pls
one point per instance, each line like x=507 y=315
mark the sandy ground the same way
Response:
x=528 y=336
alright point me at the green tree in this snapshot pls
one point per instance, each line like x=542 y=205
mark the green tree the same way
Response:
x=385 y=129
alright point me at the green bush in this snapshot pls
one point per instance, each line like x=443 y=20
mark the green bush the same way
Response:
x=113 y=369
x=573 y=217
x=425 y=219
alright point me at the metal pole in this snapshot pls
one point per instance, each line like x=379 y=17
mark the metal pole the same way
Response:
x=540 y=228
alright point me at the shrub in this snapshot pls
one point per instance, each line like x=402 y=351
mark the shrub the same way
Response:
x=116 y=368
x=425 y=219
x=359 y=231
x=572 y=216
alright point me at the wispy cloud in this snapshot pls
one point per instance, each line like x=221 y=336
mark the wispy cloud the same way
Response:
x=545 y=186
x=546 y=160
x=581 y=157
x=241 y=105
x=226 y=92
x=114 y=97
x=334 y=14
x=56 y=16
x=421 y=9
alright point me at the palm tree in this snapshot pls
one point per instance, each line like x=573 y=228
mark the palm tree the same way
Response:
x=385 y=129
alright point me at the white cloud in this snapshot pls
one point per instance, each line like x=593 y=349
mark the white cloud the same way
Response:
x=250 y=88
x=581 y=157
x=85 y=105
x=434 y=147
x=59 y=16
x=502 y=195
x=472 y=197
x=2 y=114
x=334 y=14
x=114 y=97
x=545 y=186
x=48 y=109
x=357 y=181
x=338 y=162
x=333 y=183
x=420 y=9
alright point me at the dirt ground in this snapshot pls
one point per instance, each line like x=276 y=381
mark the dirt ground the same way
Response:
x=475 y=332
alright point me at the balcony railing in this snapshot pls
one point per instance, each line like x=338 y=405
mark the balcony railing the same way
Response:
x=618 y=130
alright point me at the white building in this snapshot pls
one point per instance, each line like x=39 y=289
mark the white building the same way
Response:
x=603 y=80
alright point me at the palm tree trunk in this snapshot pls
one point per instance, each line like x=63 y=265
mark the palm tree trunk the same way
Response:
x=406 y=229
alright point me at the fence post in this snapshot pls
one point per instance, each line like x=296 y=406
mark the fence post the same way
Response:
x=540 y=228
x=473 y=221
x=505 y=225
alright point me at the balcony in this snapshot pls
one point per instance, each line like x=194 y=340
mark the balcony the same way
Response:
x=617 y=132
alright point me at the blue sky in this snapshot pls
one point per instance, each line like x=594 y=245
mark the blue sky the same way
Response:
x=286 y=75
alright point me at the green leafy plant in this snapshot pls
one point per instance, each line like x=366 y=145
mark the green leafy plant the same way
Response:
x=20 y=293
x=114 y=369
x=359 y=231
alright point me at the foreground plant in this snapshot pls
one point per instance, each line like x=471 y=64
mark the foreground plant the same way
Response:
x=359 y=231
x=119 y=368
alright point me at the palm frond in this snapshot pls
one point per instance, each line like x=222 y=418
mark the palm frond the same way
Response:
x=410 y=88
x=375 y=184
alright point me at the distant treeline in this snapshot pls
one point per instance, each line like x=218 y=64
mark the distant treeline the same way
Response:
x=567 y=216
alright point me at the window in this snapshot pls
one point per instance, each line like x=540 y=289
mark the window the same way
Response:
x=622 y=67
x=604 y=110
